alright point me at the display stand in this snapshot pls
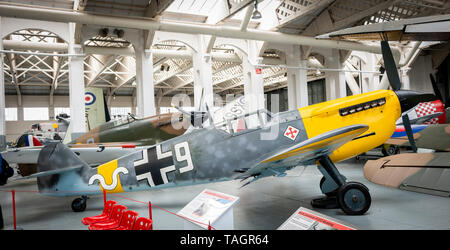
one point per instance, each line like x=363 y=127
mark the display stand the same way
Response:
x=209 y=208
x=306 y=219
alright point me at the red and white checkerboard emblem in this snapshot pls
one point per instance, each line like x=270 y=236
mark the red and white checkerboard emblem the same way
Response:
x=291 y=133
x=428 y=108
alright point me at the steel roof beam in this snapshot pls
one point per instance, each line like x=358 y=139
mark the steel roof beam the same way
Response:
x=59 y=15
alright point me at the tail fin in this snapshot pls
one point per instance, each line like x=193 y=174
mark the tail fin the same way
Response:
x=27 y=140
x=95 y=107
x=60 y=170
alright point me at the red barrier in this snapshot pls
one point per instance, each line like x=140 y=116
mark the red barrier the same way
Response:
x=150 y=214
x=14 y=206
x=150 y=205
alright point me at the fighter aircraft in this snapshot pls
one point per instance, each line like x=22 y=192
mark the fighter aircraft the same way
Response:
x=147 y=131
x=41 y=133
x=267 y=145
x=102 y=143
x=421 y=116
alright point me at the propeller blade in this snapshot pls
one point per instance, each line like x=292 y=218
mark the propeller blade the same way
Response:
x=390 y=66
x=409 y=133
x=181 y=110
x=209 y=115
x=201 y=100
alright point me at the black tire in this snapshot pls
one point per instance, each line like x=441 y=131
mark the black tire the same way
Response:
x=329 y=194
x=79 y=205
x=391 y=150
x=354 y=198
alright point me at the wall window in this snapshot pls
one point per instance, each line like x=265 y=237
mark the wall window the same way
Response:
x=60 y=110
x=35 y=114
x=11 y=114
x=165 y=110
x=316 y=91
x=120 y=111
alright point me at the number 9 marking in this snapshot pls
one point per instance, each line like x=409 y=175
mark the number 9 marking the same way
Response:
x=186 y=157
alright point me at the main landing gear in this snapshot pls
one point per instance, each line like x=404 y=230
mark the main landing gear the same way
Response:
x=352 y=197
x=79 y=204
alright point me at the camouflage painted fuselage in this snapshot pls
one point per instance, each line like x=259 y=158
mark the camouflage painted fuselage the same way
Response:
x=214 y=154
x=433 y=136
x=148 y=131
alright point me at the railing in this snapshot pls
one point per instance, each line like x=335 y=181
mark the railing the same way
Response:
x=150 y=205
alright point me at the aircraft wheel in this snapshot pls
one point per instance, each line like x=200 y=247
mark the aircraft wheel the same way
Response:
x=354 y=198
x=329 y=194
x=391 y=150
x=79 y=205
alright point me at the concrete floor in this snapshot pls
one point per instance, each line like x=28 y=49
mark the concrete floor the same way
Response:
x=264 y=204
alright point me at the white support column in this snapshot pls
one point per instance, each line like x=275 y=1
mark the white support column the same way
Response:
x=145 y=89
x=253 y=78
x=405 y=77
x=296 y=78
x=76 y=92
x=334 y=80
x=202 y=65
x=2 y=100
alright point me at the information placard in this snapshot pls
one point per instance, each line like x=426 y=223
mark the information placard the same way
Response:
x=207 y=207
x=306 y=219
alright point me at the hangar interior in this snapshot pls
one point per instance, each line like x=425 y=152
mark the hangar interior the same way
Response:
x=143 y=53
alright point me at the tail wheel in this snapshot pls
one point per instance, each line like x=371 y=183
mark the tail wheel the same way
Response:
x=354 y=198
x=79 y=205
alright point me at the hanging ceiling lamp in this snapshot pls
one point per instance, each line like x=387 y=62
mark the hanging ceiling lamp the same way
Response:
x=256 y=14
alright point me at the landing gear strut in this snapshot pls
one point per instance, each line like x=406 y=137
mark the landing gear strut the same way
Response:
x=352 y=197
x=79 y=204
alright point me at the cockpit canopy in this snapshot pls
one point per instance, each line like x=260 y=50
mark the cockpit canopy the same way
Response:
x=244 y=123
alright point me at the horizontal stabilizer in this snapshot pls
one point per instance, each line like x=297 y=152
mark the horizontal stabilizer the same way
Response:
x=52 y=172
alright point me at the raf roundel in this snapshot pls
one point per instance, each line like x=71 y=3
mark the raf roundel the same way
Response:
x=291 y=133
x=89 y=98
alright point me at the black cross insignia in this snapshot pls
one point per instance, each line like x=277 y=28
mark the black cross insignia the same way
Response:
x=154 y=166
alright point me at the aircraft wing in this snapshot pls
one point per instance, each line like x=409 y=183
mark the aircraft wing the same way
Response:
x=419 y=172
x=434 y=136
x=309 y=150
x=429 y=28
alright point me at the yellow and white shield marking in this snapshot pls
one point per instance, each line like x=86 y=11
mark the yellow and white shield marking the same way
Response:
x=108 y=177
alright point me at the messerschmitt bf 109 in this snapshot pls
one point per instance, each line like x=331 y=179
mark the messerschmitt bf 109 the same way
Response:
x=248 y=147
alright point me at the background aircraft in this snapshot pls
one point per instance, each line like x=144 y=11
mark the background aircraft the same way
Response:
x=422 y=115
x=147 y=131
x=419 y=172
x=433 y=136
x=107 y=141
